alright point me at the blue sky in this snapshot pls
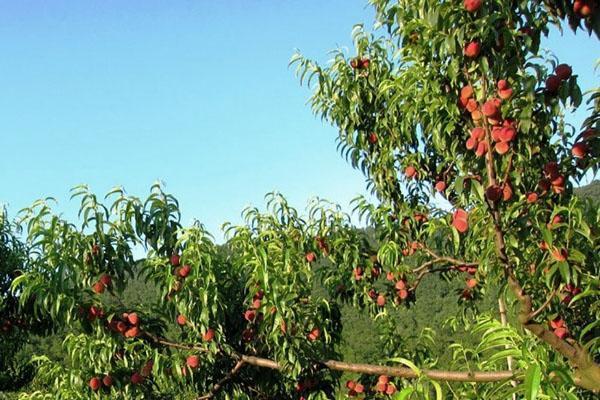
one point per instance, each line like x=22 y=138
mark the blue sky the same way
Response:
x=195 y=93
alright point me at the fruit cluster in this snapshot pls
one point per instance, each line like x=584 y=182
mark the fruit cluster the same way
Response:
x=128 y=325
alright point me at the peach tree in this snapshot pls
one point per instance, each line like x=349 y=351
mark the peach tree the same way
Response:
x=457 y=120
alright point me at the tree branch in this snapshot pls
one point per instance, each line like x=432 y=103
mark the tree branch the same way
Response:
x=219 y=385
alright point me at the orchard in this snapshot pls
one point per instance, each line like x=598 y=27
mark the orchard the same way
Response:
x=457 y=121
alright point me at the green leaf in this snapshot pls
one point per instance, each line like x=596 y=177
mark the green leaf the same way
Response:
x=404 y=393
x=532 y=381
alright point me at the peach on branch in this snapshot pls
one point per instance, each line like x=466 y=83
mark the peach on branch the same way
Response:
x=106 y=280
x=133 y=319
x=181 y=320
x=372 y=138
x=472 y=5
x=466 y=92
x=460 y=220
x=314 y=334
x=107 y=380
x=579 y=150
x=563 y=71
x=472 y=49
x=482 y=148
x=136 y=378
x=250 y=315
x=552 y=84
x=184 y=271
x=507 y=191
x=310 y=256
x=502 y=147
x=175 y=260
x=98 y=287
x=132 y=332
x=95 y=383
x=440 y=186
x=472 y=105
x=208 y=335
x=532 y=197
x=410 y=172
x=381 y=300
x=192 y=361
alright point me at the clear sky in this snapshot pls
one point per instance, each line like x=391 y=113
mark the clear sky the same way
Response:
x=195 y=93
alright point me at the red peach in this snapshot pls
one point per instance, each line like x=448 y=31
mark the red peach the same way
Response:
x=472 y=49
x=563 y=71
x=95 y=383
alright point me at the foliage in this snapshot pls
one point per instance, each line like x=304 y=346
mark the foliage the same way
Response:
x=449 y=100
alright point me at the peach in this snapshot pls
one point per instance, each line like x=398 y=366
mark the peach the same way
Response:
x=472 y=5
x=552 y=84
x=192 y=361
x=563 y=71
x=95 y=383
x=579 y=150
x=472 y=49
x=440 y=186
x=410 y=172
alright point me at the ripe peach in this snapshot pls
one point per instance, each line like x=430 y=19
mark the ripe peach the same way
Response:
x=373 y=138
x=505 y=94
x=472 y=49
x=185 y=271
x=460 y=220
x=410 y=172
x=132 y=332
x=440 y=186
x=563 y=71
x=466 y=92
x=106 y=280
x=98 y=287
x=107 y=381
x=175 y=260
x=490 y=108
x=503 y=84
x=133 y=319
x=381 y=300
x=383 y=379
x=250 y=315
x=482 y=148
x=192 y=361
x=314 y=334
x=532 y=197
x=208 y=335
x=579 y=150
x=311 y=256
x=471 y=283
x=552 y=84
x=472 y=105
x=95 y=383
x=507 y=192
x=478 y=133
x=402 y=294
x=557 y=322
x=472 y=5
x=502 y=147
x=136 y=378
x=471 y=143
x=181 y=320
